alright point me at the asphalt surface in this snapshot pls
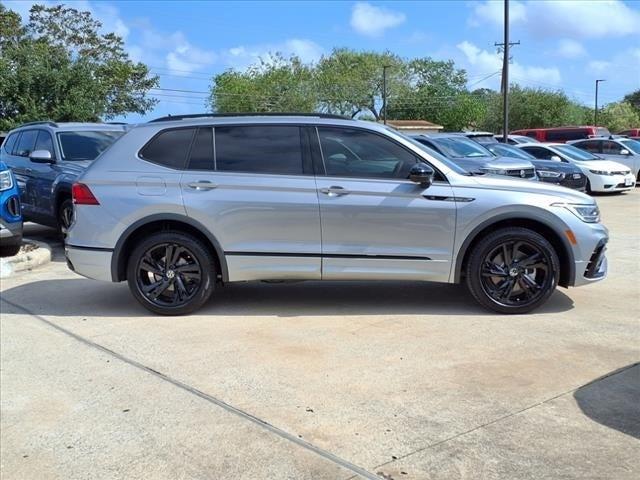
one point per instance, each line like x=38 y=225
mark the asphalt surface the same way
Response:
x=322 y=380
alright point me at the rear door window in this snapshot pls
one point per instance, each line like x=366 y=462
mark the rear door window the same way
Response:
x=201 y=157
x=266 y=149
x=593 y=146
x=169 y=148
x=26 y=143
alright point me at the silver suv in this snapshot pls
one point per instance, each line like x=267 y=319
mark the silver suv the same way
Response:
x=181 y=205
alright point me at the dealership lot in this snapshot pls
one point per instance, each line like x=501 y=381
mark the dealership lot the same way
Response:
x=311 y=380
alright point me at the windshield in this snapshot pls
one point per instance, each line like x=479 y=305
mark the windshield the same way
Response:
x=86 y=145
x=438 y=156
x=575 y=153
x=461 y=147
x=632 y=145
x=503 y=150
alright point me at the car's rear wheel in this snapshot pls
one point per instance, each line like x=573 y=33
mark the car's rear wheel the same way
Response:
x=65 y=215
x=512 y=270
x=171 y=273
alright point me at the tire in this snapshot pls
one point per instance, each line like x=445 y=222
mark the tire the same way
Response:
x=177 y=287
x=508 y=282
x=588 y=188
x=65 y=215
x=9 y=250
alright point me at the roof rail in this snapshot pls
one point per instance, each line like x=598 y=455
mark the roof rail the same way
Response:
x=43 y=122
x=116 y=123
x=170 y=118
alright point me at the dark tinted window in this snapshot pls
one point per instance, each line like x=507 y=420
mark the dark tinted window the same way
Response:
x=44 y=142
x=611 y=148
x=567 y=134
x=531 y=134
x=169 y=148
x=86 y=145
x=259 y=149
x=26 y=142
x=592 y=146
x=202 y=150
x=10 y=142
x=357 y=153
x=539 y=152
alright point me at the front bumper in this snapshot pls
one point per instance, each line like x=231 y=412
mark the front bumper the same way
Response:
x=89 y=262
x=591 y=263
x=612 y=183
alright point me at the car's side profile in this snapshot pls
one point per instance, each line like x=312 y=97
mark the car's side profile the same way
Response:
x=602 y=175
x=180 y=206
x=46 y=158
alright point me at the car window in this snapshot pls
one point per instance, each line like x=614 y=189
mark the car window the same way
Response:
x=86 y=144
x=201 y=157
x=357 y=153
x=611 y=148
x=576 y=154
x=45 y=142
x=269 y=149
x=10 y=142
x=539 y=152
x=593 y=146
x=461 y=147
x=169 y=148
x=532 y=134
x=501 y=149
x=26 y=143
x=632 y=145
x=566 y=134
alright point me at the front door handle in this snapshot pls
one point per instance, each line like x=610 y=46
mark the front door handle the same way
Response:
x=28 y=171
x=334 y=191
x=202 y=185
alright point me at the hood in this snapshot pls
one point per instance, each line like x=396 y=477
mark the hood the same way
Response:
x=606 y=165
x=540 y=188
x=555 y=166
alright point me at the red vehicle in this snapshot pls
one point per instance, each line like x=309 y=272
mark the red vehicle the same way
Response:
x=631 y=133
x=563 y=134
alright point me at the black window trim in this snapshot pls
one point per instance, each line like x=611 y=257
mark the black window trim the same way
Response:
x=393 y=140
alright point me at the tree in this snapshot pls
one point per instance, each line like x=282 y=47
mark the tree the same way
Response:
x=60 y=67
x=633 y=99
x=618 y=116
x=276 y=84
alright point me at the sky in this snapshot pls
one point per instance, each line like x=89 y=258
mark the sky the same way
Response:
x=563 y=44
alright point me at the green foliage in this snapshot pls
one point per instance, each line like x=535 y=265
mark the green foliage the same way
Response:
x=633 y=99
x=619 y=116
x=60 y=67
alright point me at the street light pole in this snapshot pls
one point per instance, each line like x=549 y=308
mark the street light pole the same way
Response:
x=384 y=92
x=595 y=110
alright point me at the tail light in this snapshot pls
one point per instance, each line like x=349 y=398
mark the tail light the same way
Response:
x=82 y=195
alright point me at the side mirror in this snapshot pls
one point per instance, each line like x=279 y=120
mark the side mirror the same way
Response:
x=555 y=158
x=624 y=151
x=422 y=174
x=41 y=156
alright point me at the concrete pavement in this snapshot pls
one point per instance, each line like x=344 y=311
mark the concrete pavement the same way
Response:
x=323 y=380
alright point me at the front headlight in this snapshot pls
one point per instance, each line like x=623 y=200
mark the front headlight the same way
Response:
x=6 y=180
x=600 y=172
x=587 y=213
x=550 y=174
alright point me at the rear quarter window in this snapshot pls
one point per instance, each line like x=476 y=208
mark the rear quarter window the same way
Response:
x=169 y=148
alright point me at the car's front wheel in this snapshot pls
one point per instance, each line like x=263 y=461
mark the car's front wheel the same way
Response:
x=171 y=273
x=512 y=270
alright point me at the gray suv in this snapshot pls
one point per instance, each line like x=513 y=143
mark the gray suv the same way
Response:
x=181 y=205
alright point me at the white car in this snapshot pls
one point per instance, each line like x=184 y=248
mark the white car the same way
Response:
x=602 y=175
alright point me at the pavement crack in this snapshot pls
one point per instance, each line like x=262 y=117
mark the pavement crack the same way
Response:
x=358 y=471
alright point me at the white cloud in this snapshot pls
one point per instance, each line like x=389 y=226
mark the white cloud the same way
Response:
x=372 y=21
x=243 y=56
x=482 y=62
x=186 y=58
x=563 y=18
x=568 y=48
x=598 y=66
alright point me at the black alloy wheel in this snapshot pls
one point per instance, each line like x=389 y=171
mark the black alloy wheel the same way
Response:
x=171 y=273
x=513 y=270
x=65 y=215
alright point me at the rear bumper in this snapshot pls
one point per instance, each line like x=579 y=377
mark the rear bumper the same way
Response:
x=89 y=262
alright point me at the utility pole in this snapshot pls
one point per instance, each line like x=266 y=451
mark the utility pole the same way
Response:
x=595 y=110
x=505 y=72
x=384 y=92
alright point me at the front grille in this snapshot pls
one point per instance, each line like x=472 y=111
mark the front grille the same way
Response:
x=595 y=261
x=13 y=206
x=621 y=172
x=522 y=173
x=622 y=185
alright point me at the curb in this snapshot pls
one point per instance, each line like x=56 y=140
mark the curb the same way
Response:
x=25 y=260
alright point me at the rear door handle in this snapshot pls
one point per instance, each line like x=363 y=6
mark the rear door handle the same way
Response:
x=202 y=185
x=334 y=191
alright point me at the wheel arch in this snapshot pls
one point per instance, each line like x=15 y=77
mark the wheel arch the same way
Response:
x=162 y=222
x=558 y=240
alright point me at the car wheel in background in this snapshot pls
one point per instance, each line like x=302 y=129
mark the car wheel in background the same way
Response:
x=512 y=270
x=171 y=273
x=65 y=215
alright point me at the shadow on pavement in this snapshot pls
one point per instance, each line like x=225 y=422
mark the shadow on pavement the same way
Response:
x=83 y=297
x=613 y=400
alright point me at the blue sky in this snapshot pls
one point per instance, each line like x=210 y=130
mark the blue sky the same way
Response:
x=564 y=44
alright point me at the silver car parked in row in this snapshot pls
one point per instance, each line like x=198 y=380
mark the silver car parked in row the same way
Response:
x=179 y=206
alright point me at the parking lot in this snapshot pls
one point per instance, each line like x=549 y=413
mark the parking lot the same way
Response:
x=332 y=380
